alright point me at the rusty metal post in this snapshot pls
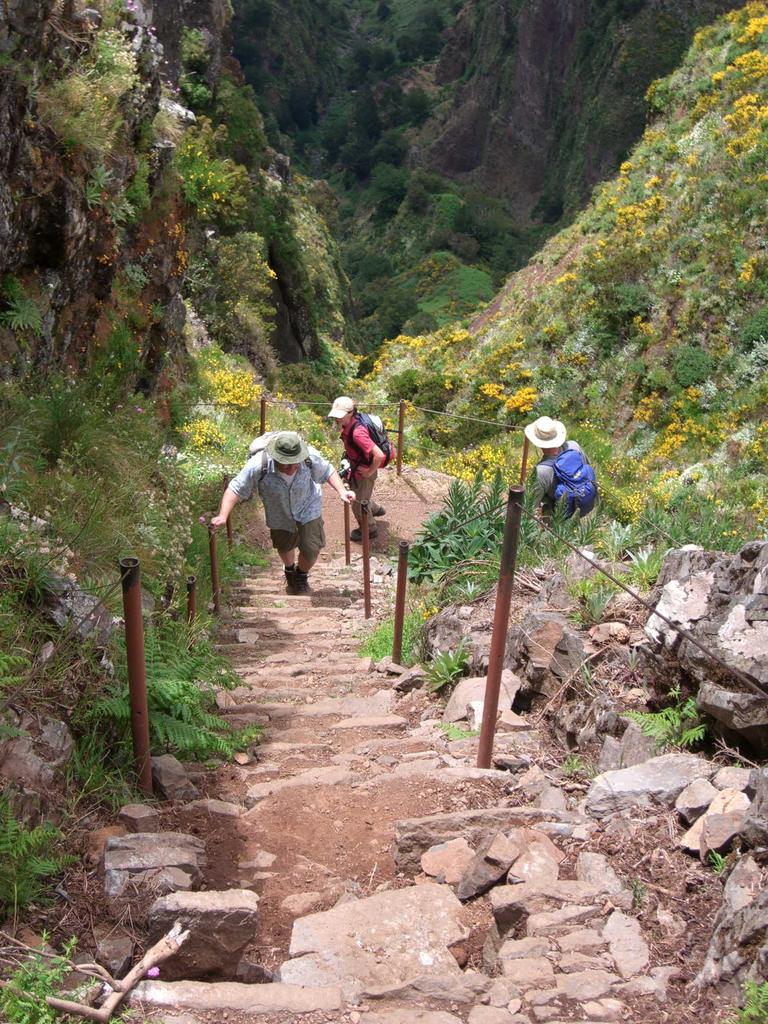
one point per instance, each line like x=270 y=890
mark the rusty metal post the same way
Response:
x=130 y=577
x=524 y=462
x=347 y=541
x=230 y=540
x=366 y=557
x=215 y=591
x=402 y=583
x=500 y=624
x=263 y=416
x=191 y=598
x=400 y=437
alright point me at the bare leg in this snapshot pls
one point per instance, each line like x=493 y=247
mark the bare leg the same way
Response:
x=305 y=564
x=288 y=557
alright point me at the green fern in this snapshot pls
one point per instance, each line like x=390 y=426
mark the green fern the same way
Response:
x=27 y=861
x=10 y=669
x=755 y=1010
x=181 y=694
x=22 y=313
x=675 y=726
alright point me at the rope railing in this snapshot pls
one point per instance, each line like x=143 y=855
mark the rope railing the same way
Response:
x=469 y=419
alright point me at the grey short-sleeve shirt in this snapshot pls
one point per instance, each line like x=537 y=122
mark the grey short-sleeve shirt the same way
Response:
x=287 y=499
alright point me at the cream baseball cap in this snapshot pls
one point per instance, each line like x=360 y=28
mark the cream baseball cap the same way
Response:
x=341 y=407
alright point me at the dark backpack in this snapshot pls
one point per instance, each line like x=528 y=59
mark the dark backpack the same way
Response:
x=575 y=481
x=377 y=434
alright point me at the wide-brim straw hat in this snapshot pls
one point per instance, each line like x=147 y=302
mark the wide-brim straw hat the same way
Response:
x=287 y=448
x=546 y=433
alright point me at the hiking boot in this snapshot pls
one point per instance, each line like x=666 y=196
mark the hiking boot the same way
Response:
x=357 y=534
x=290 y=578
x=301 y=582
x=380 y=511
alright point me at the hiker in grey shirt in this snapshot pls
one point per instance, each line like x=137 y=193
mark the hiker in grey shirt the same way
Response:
x=288 y=475
x=550 y=435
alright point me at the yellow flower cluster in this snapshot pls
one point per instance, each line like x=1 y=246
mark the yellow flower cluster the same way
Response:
x=758 y=447
x=760 y=511
x=486 y=459
x=749 y=67
x=648 y=408
x=564 y=279
x=636 y=215
x=522 y=401
x=747 y=120
x=757 y=22
x=202 y=435
x=492 y=391
x=232 y=387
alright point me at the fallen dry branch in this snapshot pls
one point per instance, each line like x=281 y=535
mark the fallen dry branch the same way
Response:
x=163 y=949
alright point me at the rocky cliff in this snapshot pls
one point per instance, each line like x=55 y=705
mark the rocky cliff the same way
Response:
x=548 y=95
x=111 y=191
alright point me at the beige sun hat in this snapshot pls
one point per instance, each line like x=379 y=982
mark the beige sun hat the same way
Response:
x=341 y=407
x=287 y=448
x=546 y=433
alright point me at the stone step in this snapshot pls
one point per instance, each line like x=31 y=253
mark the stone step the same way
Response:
x=236 y=997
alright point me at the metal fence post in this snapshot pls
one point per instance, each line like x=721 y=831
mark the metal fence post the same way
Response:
x=215 y=591
x=500 y=624
x=524 y=461
x=229 y=517
x=366 y=558
x=263 y=416
x=191 y=598
x=347 y=541
x=402 y=583
x=400 y=437
x=130 y=577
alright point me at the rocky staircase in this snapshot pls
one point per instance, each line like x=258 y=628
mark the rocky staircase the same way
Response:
x=354 y=850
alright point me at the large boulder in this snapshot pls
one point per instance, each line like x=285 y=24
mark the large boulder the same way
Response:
x=473 y=689
x=722 y=600
x=163 y=861
x=221 y=925
x=546 y=652
x=658 y=781
x=171 y=780
x=379 y=945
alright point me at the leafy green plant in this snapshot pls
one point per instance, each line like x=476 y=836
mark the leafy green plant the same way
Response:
x=646 y=566
x=755 y=1009
x=22 y=313
x=457 y=732
x=22 y=999
x=27 y=861
x=615 y=540
x=469 y=525
x=10 y=669
x=447 y=667
x=639 y=893
x=717 y=862
x=97 y=186
x=378 y=644
x=593 y=596
x=576 y=765
x=678 y=725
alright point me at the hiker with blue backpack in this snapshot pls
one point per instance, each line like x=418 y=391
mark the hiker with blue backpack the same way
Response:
x=367 y=449
x=564 y=474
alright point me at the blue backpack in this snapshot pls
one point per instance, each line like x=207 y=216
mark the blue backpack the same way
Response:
x=575 y=481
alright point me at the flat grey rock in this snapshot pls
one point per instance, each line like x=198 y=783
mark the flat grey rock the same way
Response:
x=658 y=781
x=380 y=943
x=230 y=995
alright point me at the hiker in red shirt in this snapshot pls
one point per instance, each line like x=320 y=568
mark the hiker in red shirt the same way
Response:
x=365 y=458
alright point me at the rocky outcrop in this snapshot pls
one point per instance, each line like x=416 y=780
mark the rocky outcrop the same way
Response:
x=722 y=600
x=738 y=951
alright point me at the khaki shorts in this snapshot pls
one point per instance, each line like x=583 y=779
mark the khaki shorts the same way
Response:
x=310 y=538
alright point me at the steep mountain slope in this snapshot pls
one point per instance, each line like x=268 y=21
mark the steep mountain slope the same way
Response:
x=645 y=324
x=117 y=203
x=462 y=131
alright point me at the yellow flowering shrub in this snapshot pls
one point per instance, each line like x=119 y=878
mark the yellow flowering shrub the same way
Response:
x=204 y=435
x=232 y=387
x=522 y=401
